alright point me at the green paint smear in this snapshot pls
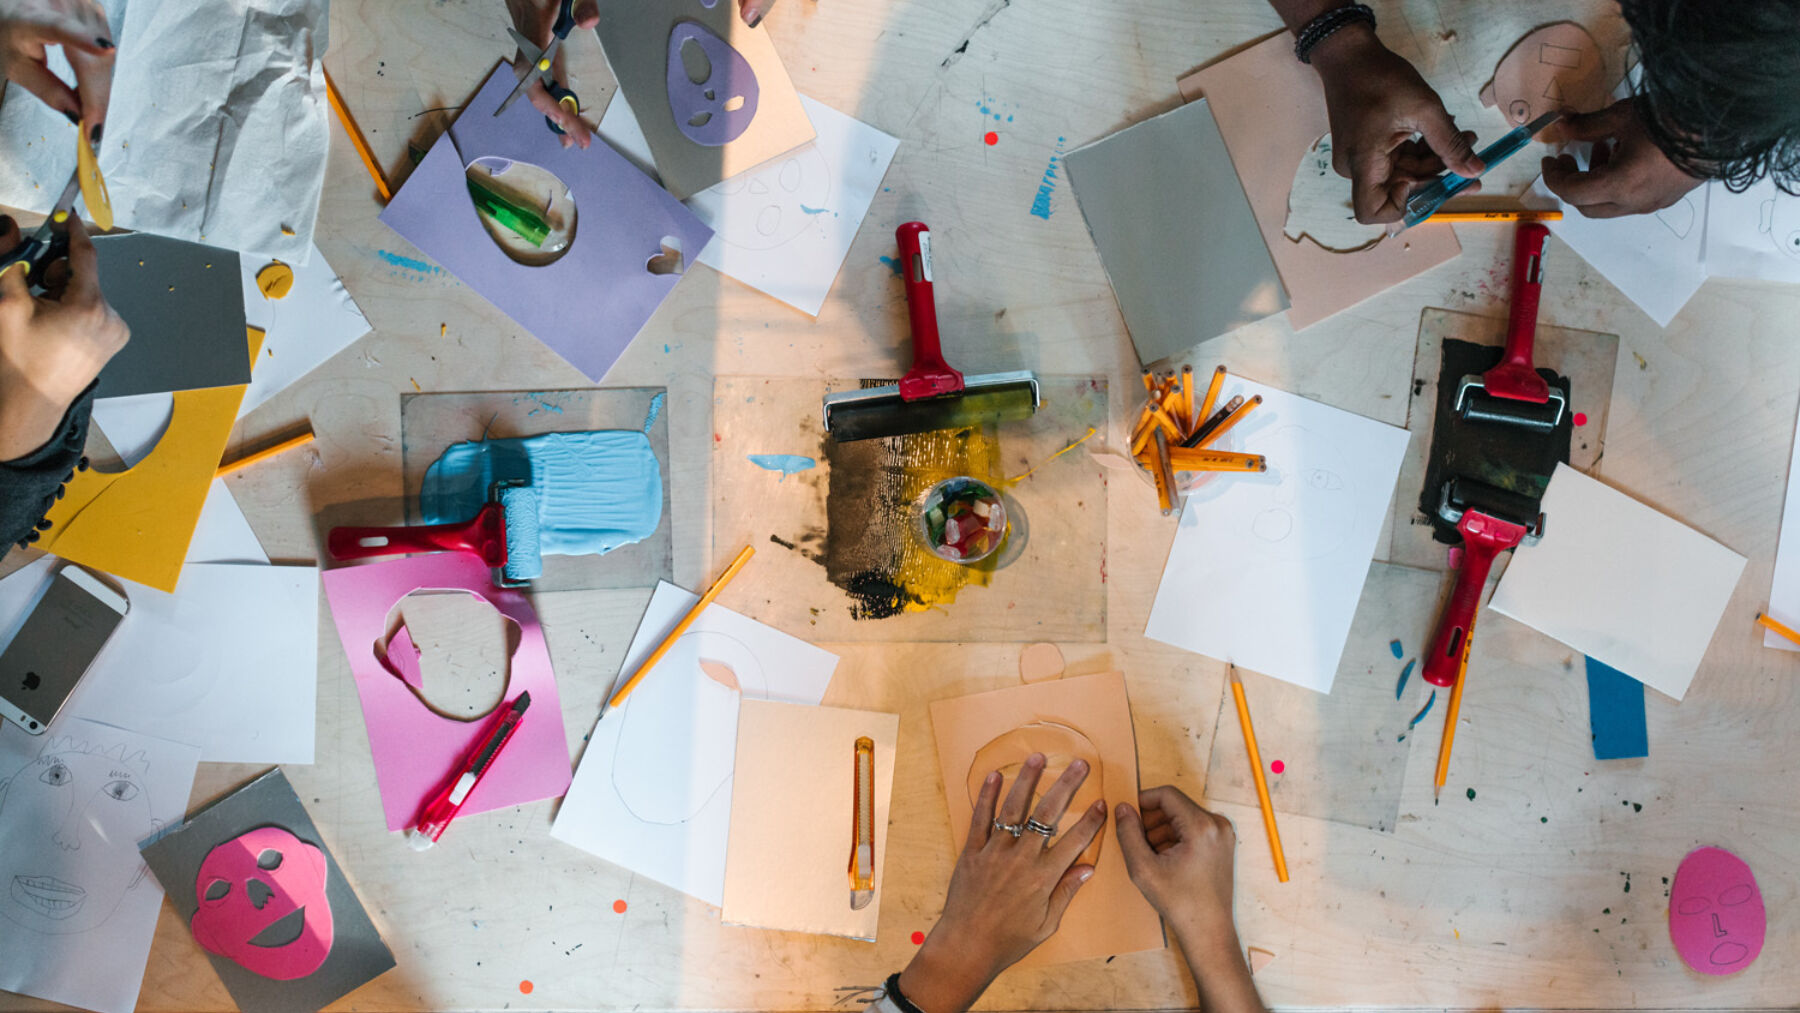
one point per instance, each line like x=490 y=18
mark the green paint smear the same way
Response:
x=1471 y=794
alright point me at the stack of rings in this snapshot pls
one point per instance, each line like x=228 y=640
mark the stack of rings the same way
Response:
x=1044 y=830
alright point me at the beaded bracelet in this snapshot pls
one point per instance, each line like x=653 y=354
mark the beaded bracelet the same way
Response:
x=1327 y=24
x=900 y=1000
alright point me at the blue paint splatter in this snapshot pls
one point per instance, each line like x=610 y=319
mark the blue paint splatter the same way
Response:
x=1405 y=674
x=544 y=400
x=1410 y=725
x=1041 y=205
x=407 y=262
x=1399 y=652
x=787 y=464
x=656 y=407
x=817 y=211
x=894 y=266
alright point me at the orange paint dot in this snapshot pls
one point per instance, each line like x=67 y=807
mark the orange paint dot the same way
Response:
x=992 y=138
x=618 y=907
x=918 y=937
x=526 y=986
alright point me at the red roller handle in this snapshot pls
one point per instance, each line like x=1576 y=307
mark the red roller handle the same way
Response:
x=1484 y=538
x=485 y=536
x=1516 y=378
x=930 y=375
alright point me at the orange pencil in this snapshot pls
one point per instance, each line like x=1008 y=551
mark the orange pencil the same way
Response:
x=356 y=140
x=1230 y=420
x=1185 y=459
x=712 y=593
x=1462 y=670
x=1212 y=396
x=1159 y=470
x=1187 y=399
x=1784 y=630
x=263 y=454
x=1262 y=783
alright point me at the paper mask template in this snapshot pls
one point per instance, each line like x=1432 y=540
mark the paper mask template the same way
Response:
x=1558 y=66
x=1271 y=109
x=77 y=909
x=1319 y=205
x=1062 y=719
x=184 y=303
x=1716 y=916
x=137 y=523
x=588 y=304
x=263 y=895
x=710 y=92
x=415 y=748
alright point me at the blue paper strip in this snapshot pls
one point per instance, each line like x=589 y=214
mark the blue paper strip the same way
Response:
x=1616 y=713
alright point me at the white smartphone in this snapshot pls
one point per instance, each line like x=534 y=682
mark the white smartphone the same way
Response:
x=55 y=647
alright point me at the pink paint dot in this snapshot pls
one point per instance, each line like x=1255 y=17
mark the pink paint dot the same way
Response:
x=1581 y=418
x=992 y=138
x=619 y=907
x=918 y=937
x=1277 y=766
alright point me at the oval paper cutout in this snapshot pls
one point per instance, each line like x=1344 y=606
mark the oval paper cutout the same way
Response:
x=1716 y=916
x=712 y=88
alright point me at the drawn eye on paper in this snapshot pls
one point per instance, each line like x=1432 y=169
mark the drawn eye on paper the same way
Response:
x=775 y=203
x=1308 y=511
x=712 y=88
x=679 y=727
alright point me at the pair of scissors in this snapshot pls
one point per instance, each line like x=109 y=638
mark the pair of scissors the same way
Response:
x=536 y=62
x=46 y=243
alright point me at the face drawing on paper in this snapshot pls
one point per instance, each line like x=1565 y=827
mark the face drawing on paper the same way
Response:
x=261 y=902
x=785 y=196
x=78 y=811
x=1781 y=220
x=712 y=88
x=1716 y=915
x=1679 y=217
x=1061 y=746
x=679 y=727
x=1558 y=66
x=1307 y=512
x=1319 y=206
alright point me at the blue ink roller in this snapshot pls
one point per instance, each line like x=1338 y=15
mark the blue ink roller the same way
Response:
x=504 y=534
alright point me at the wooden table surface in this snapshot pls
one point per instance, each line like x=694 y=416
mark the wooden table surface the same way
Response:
x=1517 y=898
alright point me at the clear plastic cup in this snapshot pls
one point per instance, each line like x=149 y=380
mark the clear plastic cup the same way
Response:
x=962 y=520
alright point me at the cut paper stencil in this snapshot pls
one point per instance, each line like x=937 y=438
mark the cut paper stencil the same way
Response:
x=589 y=303
x=1558 y=66
x=264 y=897
x=654 y=789
x=415 y=747
x=1319 y=206
x=1061 y=745
x=712 y=95
x=77 y=907
x=1716 y=916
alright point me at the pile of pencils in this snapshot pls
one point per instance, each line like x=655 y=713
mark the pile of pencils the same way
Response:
x=1172 y=434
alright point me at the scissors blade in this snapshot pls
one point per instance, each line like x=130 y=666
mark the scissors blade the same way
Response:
x=536 y=64
x=44 y=244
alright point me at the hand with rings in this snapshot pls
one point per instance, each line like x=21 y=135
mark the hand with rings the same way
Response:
x=1013 y=881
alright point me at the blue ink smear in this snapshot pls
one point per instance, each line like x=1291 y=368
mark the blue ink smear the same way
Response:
x=1410 y=725
x=787 y=464
x=1405 y=674
x=406 y=262
x=1399 y=652
x=894 y=265
x=595 y=491
x=655 y=411
x=1041 y=205
x=817 y=211
x=543 y=405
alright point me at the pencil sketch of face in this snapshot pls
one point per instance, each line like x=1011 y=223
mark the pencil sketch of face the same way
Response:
x=678 y=730
x=1307 y=512
x=775 y=202
x=70 y=821
x=1782 y=213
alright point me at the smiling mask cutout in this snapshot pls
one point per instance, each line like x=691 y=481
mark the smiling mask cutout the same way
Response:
x=1716 y=916
x=262 y=903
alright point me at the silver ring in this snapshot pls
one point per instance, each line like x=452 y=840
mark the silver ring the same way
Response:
x=1011 y=828
x=1035 y=827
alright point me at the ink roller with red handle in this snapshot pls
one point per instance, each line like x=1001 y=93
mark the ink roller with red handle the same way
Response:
x=1491 y=520
x=504 y=534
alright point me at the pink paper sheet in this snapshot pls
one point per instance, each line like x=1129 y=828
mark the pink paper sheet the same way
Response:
x=416 y=749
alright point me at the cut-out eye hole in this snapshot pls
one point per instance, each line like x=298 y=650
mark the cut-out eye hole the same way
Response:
x=669 y=261
x=1736 y=895
x=700 y=119
x=1694 y=905
x=732 y=104
x=527 y=210
x=269 y=860
x=57 y=775
x=216 y=890
x=696 y=63
x=121 y=790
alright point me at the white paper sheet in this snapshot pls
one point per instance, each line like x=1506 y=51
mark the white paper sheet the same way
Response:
x=653 y=792
x=134 y=424
x=1654 y=260
x=316 y=320
x=229 y=662
x=216 y=132
x=78 y=908
x=1620 y=582
x=1784 y=588
x=1754 y=234
x=1266 y=569
x=784 y=227
x=223 y=535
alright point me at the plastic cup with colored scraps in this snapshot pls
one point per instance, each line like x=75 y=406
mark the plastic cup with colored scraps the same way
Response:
x=962 y=520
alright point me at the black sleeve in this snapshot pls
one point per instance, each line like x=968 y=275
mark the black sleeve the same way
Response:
x=31 y=484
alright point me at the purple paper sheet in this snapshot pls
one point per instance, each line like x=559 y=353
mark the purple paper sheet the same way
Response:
x=588 y=305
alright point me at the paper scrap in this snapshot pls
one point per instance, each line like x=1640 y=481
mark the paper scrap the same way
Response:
x=1784 y=586
x=314 y=321
x=254 y=863
x=1616 y=713
x=783 y=227
x=793 y=796
x=1620 y=582
x=588 y=304
x=78 y=908
x=216 y=131
x=653 y=792
x=415 y=748
x=1266 y=569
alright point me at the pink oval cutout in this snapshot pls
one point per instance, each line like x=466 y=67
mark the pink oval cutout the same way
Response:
x=1716 y=916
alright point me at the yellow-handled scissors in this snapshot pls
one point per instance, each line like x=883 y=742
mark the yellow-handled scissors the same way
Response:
x=536 y=62
x=46 y=243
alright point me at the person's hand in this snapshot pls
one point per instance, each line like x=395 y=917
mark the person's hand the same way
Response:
x=1377 y=102
x=51 y=346
x=1008 y=893
x=753 y=11
x=79 y=26
x=1627 y=173
x=536 y=20
x=1180 y=856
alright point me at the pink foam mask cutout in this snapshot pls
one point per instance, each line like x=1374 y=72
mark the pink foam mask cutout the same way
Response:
x=1716 y=916
x=261 y=901
x=414 y=747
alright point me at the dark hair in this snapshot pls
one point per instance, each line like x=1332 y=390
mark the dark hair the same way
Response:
x=1720 y=93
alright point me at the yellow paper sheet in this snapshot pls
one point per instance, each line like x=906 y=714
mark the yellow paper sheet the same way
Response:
x=137 y=523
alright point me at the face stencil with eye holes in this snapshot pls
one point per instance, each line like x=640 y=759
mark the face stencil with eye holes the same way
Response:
x=1716 y=916
x=261 y=902
x=775 y=202
x=712 y=88
x=86 y=809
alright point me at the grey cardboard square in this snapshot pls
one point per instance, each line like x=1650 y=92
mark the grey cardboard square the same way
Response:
x=184 y=303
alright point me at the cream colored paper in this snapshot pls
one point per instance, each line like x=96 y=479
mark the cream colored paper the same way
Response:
x=793 y=795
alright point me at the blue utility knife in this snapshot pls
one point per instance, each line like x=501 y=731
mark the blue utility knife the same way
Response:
x=1425 y=201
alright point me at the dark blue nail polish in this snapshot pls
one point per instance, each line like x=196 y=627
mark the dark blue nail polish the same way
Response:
x=72 y=117
x=94 y=134
x=754 y=21
x=103 y=42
